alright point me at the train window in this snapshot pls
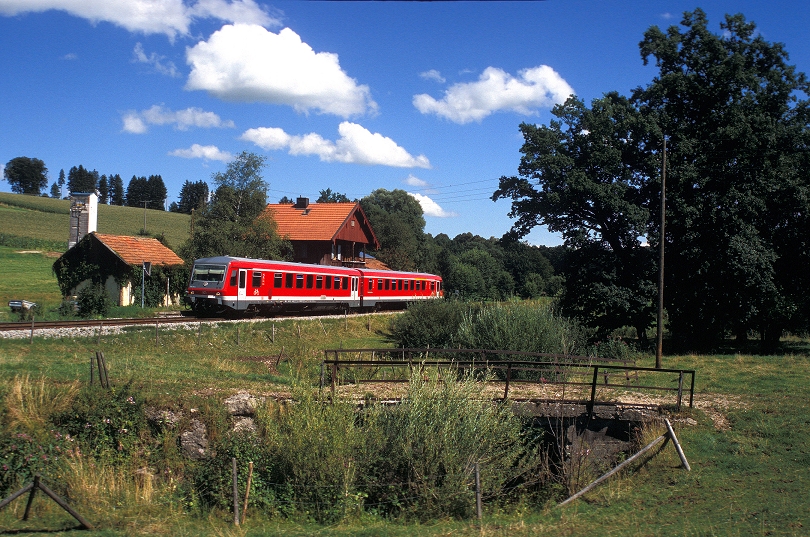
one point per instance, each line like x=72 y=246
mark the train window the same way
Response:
x=242 y=279
x=278 y=280
x=208 y=273
x=337 y=282
x=387 y=284
x=288 y=283
x=329 y=282
x=418 y=285
x=432 y=286
x=299 y=281
x=399 y=285
x=413 y=285
x=257 y=279
x=318 y=282
x=380 y=284
x=370 y=284
x=234 y=272
x=345 y=282
x=310 y=279
x=406 y=285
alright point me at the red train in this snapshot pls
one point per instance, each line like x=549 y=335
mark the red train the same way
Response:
x=234 y=284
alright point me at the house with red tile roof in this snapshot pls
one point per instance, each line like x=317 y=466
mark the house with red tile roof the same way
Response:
x=117 y=262
x=325 y=233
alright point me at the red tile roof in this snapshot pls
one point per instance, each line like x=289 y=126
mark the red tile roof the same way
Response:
x=135 y=250
x=317 y=222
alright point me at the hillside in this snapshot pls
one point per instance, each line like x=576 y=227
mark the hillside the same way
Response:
x=47 y=219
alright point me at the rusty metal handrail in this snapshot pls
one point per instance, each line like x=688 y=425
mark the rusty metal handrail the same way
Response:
x=514 y=365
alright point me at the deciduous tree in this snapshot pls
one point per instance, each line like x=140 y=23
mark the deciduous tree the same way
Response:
x=233 y=223
x=26 y=175
x=736 y=114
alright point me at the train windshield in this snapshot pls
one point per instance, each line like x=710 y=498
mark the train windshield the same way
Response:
x=208 y=273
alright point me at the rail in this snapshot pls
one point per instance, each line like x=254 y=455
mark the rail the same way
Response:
x=387 y=366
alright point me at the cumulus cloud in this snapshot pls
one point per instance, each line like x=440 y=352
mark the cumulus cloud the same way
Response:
x=497 y=90
x=248 y=63
x=431 y=208
x=157 y=61
x=138 y=122
x=412 y=180
x=356 y=145
x=433 y=74
x=169 y=17
x=70 y=56
x=206 y=152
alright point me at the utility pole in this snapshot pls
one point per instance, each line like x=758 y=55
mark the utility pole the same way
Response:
x=144 y=214
x=659 y=348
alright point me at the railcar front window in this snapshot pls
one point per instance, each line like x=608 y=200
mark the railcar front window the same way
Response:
x=208 y=273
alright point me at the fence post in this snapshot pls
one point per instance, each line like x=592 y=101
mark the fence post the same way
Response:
x=593 y=391
x=478 y=510
x=680 y=389
x=235 y=494
x=508 y=378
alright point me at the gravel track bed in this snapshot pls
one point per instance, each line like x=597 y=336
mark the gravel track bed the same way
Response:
x=92 y=331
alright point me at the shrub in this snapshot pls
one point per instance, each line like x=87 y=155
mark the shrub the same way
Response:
x=94 y=300
x=420 y=459
x=107 y=421
x=23 y=455
x=432 y=323
x=521 y=326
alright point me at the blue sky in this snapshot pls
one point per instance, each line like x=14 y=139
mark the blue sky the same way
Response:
x=352 y=96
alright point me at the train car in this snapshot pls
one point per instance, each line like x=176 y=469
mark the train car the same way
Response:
x=237 y=285
x=381 y=289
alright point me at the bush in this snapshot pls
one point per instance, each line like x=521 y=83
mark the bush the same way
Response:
x=521 y=326
x=420 y=459
x=108 y=422
x=432 y=323
x=22 y=456
x=94 y=300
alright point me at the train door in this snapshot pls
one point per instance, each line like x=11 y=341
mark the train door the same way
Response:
x=241 y=293
x=355 y=293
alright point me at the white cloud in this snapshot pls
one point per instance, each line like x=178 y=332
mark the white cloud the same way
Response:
x=138 y=122
x=70 y=56
x=207 y=152
x=431 y=208
x=356 y=145
x=415 y=181
x=433 y=74
x=497 y=90
x=170 y=17
x=156 y=61
x=248 y=63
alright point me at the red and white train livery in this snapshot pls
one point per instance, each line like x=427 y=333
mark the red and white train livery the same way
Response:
x=235 y=284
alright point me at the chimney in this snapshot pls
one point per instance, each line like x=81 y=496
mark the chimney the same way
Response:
x=301 y=203
x=83 y=216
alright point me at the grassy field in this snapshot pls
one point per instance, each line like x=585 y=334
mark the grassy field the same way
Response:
x=48 y=219
x=748 y=442
x=27 y=276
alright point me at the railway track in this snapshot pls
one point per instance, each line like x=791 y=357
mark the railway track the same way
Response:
x=163 y=320
x=93 y=323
